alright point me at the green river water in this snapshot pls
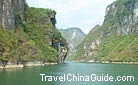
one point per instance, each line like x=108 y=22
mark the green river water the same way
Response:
x=31 y=75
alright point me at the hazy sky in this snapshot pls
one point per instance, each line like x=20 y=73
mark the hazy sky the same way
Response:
x=84 y=14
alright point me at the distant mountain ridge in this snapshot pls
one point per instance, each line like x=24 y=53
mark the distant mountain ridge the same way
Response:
x=73 y=36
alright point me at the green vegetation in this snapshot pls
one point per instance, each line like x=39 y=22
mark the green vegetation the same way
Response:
x=73 y=37
x=117 y=11
x=33 y=39
x=92 y=35
x=117 y=43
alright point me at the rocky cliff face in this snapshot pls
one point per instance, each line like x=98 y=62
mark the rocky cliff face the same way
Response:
x=28 y=34
x=117 y=38
x=73 y=36
x=9 y=9
x=125 y=16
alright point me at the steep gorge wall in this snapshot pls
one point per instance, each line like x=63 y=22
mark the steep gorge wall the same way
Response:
x=117 y=37
x=9 y=9
x=27 y=34
x=125 y=14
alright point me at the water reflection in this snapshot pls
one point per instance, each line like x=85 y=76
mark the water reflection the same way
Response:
x=31 y=75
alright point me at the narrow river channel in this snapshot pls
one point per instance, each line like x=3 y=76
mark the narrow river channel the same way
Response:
x=72 y=73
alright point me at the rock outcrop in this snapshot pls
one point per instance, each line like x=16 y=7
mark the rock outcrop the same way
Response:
x=125 y=14
x=117 y=39
x=73 y=37
x=28 y=34
x=9 y=10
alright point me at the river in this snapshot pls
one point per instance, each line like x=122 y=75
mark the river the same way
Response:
x=91 y=72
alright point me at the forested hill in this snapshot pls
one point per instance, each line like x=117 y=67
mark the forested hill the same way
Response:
x=27 y=33
x=73 y=35
x=116 y=40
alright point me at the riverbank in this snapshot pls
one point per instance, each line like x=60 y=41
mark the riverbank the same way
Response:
x=38 y=64
x=106 y=62
x=12 y=65
x=124 y=62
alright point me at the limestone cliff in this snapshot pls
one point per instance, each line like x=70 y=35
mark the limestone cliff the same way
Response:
x=28 y=34
x=9 y=9
x=117 y=38
x=73 y=36
x=123 y=15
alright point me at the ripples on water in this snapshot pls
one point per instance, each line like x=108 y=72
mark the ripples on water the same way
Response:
x=31 y=75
